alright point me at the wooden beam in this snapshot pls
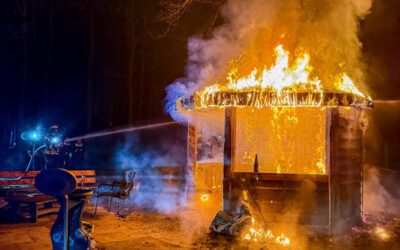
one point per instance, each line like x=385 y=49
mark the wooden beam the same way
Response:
x=345 y=168
x=191 y=158
x=228 y=159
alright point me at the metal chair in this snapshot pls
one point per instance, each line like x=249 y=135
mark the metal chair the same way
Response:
x=118 y=189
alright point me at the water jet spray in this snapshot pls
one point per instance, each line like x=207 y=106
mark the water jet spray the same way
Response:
x=118 y=131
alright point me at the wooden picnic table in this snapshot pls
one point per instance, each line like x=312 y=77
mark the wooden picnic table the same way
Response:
x=18 y=188
x=30 y=206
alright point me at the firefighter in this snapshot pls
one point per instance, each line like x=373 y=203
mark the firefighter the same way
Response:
x=53 y=144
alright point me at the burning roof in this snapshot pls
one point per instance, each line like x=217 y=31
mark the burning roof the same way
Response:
x=280 y=85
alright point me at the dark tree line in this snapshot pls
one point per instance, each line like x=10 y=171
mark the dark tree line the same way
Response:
x=90 y=65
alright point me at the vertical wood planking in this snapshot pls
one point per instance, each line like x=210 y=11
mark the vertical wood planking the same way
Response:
x=191 y=157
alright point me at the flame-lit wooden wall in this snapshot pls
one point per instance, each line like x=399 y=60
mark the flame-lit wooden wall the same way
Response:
x=328 y=202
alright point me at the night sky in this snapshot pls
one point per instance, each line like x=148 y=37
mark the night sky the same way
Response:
x=54 y=44
x=90 y=65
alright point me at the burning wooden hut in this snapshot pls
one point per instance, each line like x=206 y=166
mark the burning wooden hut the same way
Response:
x=287 y=141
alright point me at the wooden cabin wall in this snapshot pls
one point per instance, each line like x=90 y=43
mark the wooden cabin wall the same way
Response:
x=336 y=196
x=346 y=159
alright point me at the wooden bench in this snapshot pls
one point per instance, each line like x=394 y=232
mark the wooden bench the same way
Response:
x=18 y=189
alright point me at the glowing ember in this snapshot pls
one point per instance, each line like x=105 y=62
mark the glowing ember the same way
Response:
x=204 y=197
x=382 y=233
x=257 y=234
x=283 y=240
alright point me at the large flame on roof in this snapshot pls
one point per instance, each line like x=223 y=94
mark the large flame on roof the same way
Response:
x=278 y=77
x=276 y=85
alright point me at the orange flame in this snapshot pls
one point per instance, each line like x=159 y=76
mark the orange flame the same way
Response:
x=257 y=234
x=276 y=85
x=278 y=77
x=347 y=85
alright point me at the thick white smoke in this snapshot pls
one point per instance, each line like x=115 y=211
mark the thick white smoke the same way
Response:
x=326 y=29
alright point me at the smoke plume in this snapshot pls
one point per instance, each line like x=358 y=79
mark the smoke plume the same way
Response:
x=326 y=29
x=154 y=191
x=379 y=198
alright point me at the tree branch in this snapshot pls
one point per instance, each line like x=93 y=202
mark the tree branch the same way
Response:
x=173 y=10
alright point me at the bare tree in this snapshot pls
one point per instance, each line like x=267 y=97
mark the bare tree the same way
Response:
x=173 y=11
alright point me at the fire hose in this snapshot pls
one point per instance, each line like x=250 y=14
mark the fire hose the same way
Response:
x=27 y=167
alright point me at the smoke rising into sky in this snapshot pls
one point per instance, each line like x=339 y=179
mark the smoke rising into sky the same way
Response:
x=326 y=29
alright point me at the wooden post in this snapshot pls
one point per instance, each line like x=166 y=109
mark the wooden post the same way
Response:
x=228 y=159
x=191 y=158
x=345 y=177
x=333 y=113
